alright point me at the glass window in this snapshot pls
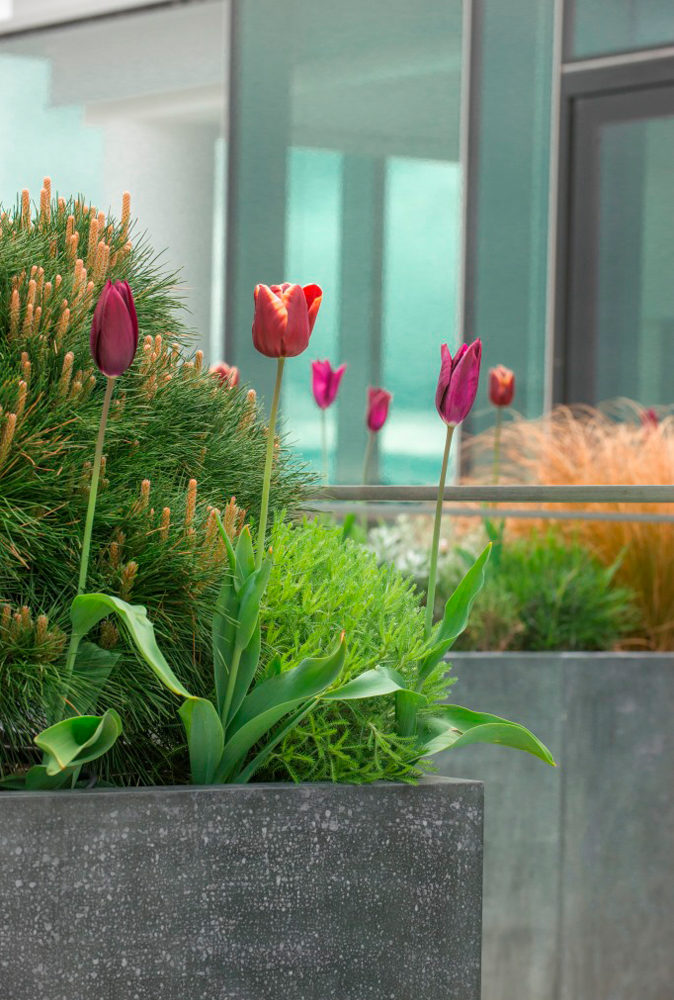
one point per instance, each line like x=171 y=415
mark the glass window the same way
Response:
x=599 y=27
x=345 y=171
x=148 y=120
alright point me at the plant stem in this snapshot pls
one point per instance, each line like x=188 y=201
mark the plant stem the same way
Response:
x=88 y=528
x=497 y=447
x=231 y=681
x=266 y=482
x=433 y=571
x=324 y=444
x=368 y=456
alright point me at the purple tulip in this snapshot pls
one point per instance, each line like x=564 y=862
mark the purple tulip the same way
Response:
x=378 y=401
x=457 y=384
x=325 y=382
x=114 y=329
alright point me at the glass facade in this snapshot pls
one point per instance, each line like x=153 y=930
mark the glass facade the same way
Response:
x=346 y=171
x=150 y=122
x=600 y=27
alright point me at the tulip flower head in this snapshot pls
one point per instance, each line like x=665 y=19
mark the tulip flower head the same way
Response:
x=457 y=384
x=228 y=374
x=114 y=329
x=284 y=318
x=649 y=418
x=378 y=401
x=325 y=382
x=501 y=385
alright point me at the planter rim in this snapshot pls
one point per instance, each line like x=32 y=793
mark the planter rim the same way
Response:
x=558 y=654
x=285 y=787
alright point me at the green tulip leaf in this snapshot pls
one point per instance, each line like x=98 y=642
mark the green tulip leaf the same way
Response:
x=250 y=597
x=456 y=726
x=247 y=669
x=88 y=609
x=205 y=738
x=371 y=684
x=78 y=740
x=244 y=557
x=231 y=556
x=261 y=756
x=457 y=613
x=93 y=666
x=223 y=631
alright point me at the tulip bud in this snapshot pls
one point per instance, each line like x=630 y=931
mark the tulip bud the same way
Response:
x=378 y=401
x=228 y=374
x=325 y=382
x=457 y=384
x=501 y=385
x=284 y=318
x=114 y=329
x=649 y=418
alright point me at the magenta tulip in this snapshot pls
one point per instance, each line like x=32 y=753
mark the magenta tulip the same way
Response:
x=457 y=384
x=114 y=329
x=378 y=401
x=325 y=382
x=284 y=318
x=501 y=385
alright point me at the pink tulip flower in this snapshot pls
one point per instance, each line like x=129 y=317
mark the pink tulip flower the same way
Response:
x=325 y=382
x=378 y=401
x=284 y=318
x=457 y=384
x=501 y=385
x=228 y=374
x=114 y=329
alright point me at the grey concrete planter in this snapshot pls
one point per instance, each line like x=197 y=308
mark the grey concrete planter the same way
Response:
x=579 y=863
x=261 y=892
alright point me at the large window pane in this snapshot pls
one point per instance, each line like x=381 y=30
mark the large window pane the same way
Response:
x=135 y=103
x=604 y=26
x=346 y=172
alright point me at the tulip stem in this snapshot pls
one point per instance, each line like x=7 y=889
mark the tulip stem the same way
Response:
x=88 y=527
x=368 y=457
x=266 y=482
x=435 y=544
x=324 y=445
x=496 y=472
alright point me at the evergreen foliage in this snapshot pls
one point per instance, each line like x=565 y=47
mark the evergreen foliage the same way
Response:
x=178 y=444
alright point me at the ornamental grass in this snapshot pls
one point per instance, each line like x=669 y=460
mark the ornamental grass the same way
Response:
x=615 y=444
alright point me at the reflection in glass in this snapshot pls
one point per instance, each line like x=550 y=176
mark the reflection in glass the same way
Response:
x=605 y=26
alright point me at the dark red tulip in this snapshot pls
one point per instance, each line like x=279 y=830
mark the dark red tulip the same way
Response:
x=228 y=374
x=501 y=385
x=325 y=382
x=284 y=318
x=457 y=384
x=378 y=401
x=114 y=329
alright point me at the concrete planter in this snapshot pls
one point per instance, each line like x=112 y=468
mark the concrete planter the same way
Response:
x=257 y=892
x=579 y=864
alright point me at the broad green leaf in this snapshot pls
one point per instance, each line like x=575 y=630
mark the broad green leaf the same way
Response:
x=250 y=597
x=231 y=557
x=246 y=736
x=205 y=738
x=273 y=667
x=407 y=710
x=223 y=630
x=88 y=609
x=307 y=680
x=38 y=778
x=245 y=558
x=245 y=675
x=258 y=760
x=78 y=740
x=371 y=684
x=457 y=613
x=456 y=726
x=93 y=666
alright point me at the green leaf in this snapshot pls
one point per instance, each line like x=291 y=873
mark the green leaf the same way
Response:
x=307 y=680
x=93 y=666
x=88 y=609
x=245 y=674
x=457 y=726
x=223 y=630
x=245 y=558
x=371 y=684
x=231 y=556
x=258 y=760
x=205 y=738
x=250 y=597
x=78 y=740
x=457 y=613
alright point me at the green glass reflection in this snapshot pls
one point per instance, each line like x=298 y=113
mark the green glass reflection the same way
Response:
x=600 y=27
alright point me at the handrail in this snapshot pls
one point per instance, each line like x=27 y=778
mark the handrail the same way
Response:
x=501 y=494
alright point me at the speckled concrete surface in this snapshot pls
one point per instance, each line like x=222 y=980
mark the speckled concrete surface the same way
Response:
x=262 y=892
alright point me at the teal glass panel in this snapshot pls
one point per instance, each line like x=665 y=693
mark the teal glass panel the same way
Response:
x=635 y=295
x=508 y=303
x=600 y=27
x=345 y=171
x=131 y=103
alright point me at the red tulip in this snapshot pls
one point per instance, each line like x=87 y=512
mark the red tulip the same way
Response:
x=378 y=401
x=649 y=418
x=325 y=382
x=284 y=318
x=501 y=385
x=228 y=374
x=457 y=384
x=114 y=329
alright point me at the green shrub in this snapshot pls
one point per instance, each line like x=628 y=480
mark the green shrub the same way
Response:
x=170 y=423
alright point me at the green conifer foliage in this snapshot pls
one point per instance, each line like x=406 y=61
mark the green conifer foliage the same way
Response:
x=178 y=444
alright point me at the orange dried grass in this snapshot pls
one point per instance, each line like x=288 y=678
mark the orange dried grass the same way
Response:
x=584 y=446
